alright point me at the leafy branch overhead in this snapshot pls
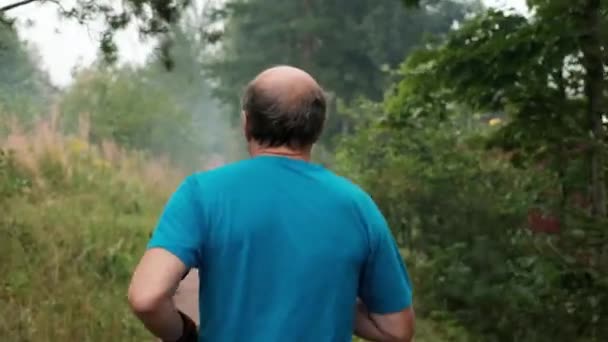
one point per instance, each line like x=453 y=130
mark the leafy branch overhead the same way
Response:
x=530 y=72
x=411 y=3
x=151 y=17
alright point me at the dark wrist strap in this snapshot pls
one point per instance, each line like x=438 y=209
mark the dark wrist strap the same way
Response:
x=190 y=332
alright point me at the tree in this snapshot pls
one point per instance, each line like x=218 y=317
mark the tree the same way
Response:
x=348 y=46
x=457 y=211
x=24 y=88
x=590 y=23
x=496 y=217
x=152 y=18
x=190 y=88
x=532 y=70
x=129 y=109
x=168 y=113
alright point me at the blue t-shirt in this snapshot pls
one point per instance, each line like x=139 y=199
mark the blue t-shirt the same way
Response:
x=283 y=248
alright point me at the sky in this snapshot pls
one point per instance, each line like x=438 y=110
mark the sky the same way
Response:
x=65 y=45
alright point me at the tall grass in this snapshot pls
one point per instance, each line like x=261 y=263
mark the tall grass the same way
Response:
x=44 y=144
x=74 y=218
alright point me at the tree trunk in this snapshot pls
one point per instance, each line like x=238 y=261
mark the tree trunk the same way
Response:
x=562 y=160
x=308 y=41
x=591 y=46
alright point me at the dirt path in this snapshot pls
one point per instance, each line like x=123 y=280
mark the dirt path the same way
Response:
x=186 y=296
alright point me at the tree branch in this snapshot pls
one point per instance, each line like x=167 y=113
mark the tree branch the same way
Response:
x=15 y=5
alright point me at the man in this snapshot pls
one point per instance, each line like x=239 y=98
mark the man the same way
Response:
x=285 y=249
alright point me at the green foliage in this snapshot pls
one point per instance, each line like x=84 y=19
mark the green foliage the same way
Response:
x=163 y=113
x=529 y=72
x=190 y=88
x=150 y=17
x=128 y=109
x=12 y=182
x=502 y=63
x=464 y=195
x=166 y=113
x=461 y=212
x=24 y=89
x=69 y=240
x=346 y=45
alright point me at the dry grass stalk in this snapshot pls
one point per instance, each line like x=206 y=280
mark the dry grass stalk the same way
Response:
x=45 y=142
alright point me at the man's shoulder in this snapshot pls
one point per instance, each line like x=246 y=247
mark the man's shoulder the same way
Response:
x=239 y=172
x=345 y=184
x=225 y=171
x=209 y=179
x=349 y=188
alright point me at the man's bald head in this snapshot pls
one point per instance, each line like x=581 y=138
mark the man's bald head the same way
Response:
x=284 y=106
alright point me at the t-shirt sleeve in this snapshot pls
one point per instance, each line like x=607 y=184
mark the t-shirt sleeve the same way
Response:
x=179 y=228
x=385 y=285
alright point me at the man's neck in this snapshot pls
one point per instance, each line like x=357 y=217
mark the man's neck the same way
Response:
x=281 y=151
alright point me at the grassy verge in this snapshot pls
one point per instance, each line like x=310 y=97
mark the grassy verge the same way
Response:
x=74 y=219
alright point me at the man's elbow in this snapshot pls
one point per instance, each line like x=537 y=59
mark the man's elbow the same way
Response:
x=406 y=331
x=397 y=327
x=144 y=301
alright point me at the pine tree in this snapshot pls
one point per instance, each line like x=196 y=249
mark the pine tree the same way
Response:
x=346 y=45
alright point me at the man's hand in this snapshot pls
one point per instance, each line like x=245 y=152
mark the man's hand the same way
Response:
x=151 y=296
x=393 y=327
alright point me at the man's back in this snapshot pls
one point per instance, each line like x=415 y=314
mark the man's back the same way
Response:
x=283 y=248
x=286 y=250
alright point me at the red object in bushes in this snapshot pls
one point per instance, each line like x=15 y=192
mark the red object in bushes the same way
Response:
x=543 y=223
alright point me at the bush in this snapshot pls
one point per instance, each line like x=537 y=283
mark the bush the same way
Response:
x=461 y=212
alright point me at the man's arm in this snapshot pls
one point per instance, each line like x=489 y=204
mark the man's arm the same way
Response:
x=173 y=249
x=395 y=327
x=150 y=294
x=384 y=311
